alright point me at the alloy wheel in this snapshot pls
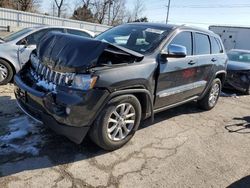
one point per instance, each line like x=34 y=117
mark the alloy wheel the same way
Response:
x=121 y=122
x=214 y=94
x=3 y=72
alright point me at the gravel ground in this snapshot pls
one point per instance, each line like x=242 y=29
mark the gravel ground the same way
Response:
x=184 y=147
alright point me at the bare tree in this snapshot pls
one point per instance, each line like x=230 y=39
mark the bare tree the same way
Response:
x=112 y=12
x=87 y=3
x=117 y=12
x=100 y=8
x=23 y=5
x=138 y=10
x=26 y=5
x=59 y=5
x=83 y=13
x=6 y=4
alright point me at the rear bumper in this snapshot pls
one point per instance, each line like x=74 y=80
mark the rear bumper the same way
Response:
x=50 y=108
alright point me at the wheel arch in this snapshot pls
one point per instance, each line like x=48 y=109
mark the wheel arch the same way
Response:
x=143 y=95
x=221 y=75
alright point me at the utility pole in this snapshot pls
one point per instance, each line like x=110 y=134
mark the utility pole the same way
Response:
x=53 y=9
x=110 y=3
x=168 y=11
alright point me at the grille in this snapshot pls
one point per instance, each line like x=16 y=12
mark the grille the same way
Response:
x=48 y=75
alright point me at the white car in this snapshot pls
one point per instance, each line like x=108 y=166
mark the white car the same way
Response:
x=15 y=49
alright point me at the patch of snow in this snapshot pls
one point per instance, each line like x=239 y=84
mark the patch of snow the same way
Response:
x=229 y=95
x=23 y=136
x=49 y=86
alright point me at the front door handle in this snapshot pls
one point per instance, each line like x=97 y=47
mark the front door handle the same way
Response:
x=191 y=62
x=213 y=60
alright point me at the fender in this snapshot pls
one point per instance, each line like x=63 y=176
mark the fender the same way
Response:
x=133 y=91
x=210 y=82
x=130 y=91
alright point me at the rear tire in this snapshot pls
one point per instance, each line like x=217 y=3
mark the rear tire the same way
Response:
x=117 y=123
x=6 y=72
x=211 y=98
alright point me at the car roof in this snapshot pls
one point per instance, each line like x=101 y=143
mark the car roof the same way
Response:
x=160 y=25
x=198 y=29
x=63 y=27
x=173 y=26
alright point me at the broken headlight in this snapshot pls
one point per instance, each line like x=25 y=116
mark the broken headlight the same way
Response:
x=84 y=82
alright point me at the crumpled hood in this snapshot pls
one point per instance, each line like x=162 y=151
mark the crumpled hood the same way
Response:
x=70 y=53
x=236 y=65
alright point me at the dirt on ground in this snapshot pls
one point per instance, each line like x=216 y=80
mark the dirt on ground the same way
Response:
x=184 y=147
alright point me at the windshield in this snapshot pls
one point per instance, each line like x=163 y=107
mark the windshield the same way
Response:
x=139 y=38
x=17 y=34
x=239 y=56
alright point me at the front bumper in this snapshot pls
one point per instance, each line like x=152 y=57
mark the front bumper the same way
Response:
x=50 y=108
x=239 y=80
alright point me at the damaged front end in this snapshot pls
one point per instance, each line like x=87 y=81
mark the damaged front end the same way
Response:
x=238 y=79
x=66 y=53
x=57 y=85
x=68 y=60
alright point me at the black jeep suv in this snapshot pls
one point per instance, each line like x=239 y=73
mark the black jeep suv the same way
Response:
x=107 y=85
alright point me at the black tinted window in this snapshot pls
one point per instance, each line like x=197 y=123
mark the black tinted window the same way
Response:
x=77 y=32
x=220 y=45
x=202 y=44
x=216 y=48
x=184 y=39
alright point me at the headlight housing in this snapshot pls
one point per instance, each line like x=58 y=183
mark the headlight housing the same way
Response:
x=84 y=82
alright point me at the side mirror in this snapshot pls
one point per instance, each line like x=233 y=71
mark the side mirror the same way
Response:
x=24 y=42
x=175 y=51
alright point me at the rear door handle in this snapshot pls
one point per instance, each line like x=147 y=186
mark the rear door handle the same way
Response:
x=191 y=62
x=213 y=60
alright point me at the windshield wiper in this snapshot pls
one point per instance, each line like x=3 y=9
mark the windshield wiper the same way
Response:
x=2 y=39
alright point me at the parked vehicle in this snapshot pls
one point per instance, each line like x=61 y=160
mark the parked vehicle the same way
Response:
x=233 y=37
x=16 y=48
x=238 y=70
x=108 y=87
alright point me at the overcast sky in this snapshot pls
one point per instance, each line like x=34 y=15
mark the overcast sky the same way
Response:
x=193 y=12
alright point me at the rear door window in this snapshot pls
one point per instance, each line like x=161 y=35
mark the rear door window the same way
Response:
x=202 y=44
x=184 y=39
x=220 y=45
x=216 y=48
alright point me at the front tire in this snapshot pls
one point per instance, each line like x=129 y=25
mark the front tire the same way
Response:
x=211 y=98
x=117 y=123
x=6 y=72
